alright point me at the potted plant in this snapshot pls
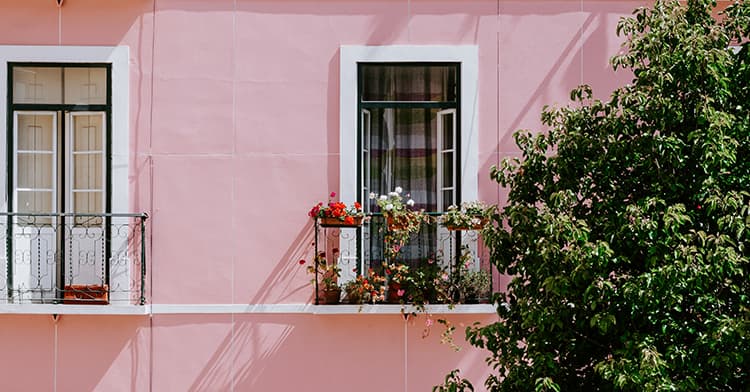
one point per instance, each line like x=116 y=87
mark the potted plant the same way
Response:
x=418 y=285
x=475 y=286
x=337 y=214
x=472 y=215
x=365 y=289
x=398 y=281
x=402 y=222
x=326 y=275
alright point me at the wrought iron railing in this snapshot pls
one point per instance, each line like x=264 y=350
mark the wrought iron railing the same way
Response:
x=72 y=258
x=356 y=250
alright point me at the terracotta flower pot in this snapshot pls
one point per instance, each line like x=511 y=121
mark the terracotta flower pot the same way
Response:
x=336 y=222
x=395 y=224
x=86 y=294
x=478 y=226
x=329 y=297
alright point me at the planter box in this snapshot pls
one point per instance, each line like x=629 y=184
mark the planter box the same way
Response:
x=86 y=294
x=335 y=222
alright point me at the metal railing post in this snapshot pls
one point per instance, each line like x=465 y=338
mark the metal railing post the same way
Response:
x=143 y=259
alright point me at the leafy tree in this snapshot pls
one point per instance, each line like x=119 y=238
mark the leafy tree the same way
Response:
x=627 y=226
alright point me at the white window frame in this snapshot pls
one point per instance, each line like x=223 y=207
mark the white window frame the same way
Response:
x=466 y=55
x=119 y=57
x=351 y=56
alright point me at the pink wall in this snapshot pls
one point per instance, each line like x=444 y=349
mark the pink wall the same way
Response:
x=235 y=134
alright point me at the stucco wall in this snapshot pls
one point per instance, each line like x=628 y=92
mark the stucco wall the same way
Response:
x=234 y=135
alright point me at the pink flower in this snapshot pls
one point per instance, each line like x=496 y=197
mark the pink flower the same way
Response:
x=400 y=292
x=428 y=323
x=333 y=194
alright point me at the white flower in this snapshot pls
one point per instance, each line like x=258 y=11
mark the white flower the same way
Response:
x=388 y=207
x=373 y=195
x=392 y=194
x=383 y=197
x=399 y=189
x=410 y=203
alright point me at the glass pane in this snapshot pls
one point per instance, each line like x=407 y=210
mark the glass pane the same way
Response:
x=37 y=85
x=86 y=85
x=447 y=199
x=35 y=171
x=87 y=202
x=447 y=169
x=88 y=133
x=34 y=201
x=87 y=171
x=408 y=82
x=447 y=120
x=35 y=132
x=403 y=152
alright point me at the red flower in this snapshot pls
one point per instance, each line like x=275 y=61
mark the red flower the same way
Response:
x=349 y=220
x=301 y=261
x=357 y=205
x=333 y=194
x=335 y=250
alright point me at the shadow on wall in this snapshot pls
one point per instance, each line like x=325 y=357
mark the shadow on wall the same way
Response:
x=583 y=68
x=76 y=353
x=336 y=353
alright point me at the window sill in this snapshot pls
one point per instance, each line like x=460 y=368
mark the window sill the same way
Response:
x=399 y=309
x=315 y=309
x=144 y=310
x=135 y=310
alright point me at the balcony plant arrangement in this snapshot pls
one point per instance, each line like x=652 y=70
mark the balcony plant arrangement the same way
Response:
x=363 y=289
x=475 y=287
x=402 y=221
x=418 y=285
x=472 y=215
x=326 y=274
x=337 y=213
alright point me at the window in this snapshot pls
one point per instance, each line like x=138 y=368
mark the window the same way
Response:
x=408 y=119
x=66 y=152
x=60 y=117
x=58 y=164
x=407 y=139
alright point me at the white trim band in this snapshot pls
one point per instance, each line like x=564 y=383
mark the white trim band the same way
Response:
x=145 y=310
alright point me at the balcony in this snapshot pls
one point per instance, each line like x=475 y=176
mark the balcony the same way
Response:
x=72 y=259
x=445 y=264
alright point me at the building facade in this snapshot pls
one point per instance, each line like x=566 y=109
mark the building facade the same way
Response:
x=165 y=154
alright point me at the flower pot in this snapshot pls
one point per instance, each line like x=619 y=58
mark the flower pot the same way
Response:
x=86 y=294
x=329 y=297
x=395 y=224
x=336 y=222
x=478 y=226
x=354 y=298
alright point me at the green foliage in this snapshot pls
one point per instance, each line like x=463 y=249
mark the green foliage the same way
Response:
x=626 y=230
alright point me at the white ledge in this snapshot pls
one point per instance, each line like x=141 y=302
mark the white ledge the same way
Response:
x=399 y=309
x=241 y=309
x=73 y=309
x=317 y=309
